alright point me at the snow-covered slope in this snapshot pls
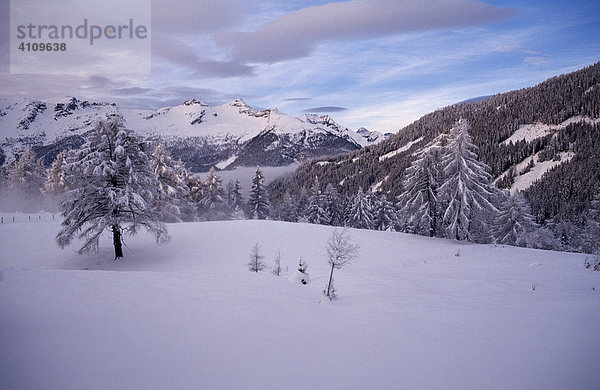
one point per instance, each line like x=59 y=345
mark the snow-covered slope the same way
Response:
x=411 y=313
x=229 y=135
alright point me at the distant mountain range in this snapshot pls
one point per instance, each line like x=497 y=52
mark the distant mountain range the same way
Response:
x=225 y=136
x=544 y=140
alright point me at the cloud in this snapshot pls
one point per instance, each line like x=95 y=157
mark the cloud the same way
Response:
x=325 y=109
x=195 y=16
x=297 y=99
x=294 y=35
x=172 y=50
x=131 y=91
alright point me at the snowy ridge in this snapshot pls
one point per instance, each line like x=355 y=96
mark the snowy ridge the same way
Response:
x=228 y=135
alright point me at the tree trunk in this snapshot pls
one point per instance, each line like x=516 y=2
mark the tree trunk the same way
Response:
x=329 y=284
x=117 y=241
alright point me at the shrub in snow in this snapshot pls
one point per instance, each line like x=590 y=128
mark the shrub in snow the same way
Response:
x=340 y=251
x=277 y=268
x=593 y=263
x=300 y=275
x=256 y=260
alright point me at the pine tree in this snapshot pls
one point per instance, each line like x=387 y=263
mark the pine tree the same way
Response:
x=55 y=187
x=467 y=188
x=171 y=203
x=213 y=203
x=288 y=210
x=112 y=188
x=316 y=211
x=234 y=195
x=360 y=212
x=514 y=221
x=385 y=213
x=259 y=206
x=335 y=208
x=419 y=203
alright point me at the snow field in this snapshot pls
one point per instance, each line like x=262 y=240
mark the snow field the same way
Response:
x=410 y=314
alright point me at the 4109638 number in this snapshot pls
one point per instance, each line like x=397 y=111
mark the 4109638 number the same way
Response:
x=34 y=46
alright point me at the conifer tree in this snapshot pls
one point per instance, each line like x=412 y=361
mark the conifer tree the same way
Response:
x=112 y=188
x=467 y=189
x=385 y=214
x=360 y=212
x=316 y=211
x=213 y=205
x=55 y=187
x=514 y=221
x=335 y=208
x=25 y=182
x=288 y=210
x=171 y=203
x=259 y=206
x=419 y=203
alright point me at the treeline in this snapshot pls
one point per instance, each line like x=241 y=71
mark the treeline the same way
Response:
x=562 y=195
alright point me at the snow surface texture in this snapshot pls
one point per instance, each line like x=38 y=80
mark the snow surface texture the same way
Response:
x=410 y=314
x=531 y=132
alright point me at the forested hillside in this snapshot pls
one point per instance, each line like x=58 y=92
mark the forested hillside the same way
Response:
x=554 y=122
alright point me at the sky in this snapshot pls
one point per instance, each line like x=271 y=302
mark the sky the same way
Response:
x=379 y=64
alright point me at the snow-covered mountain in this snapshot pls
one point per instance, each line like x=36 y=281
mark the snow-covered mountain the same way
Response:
x=225 y=136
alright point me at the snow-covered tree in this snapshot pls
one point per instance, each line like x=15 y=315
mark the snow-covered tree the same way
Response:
x=419 y=203
x=316 y=211
x=55 y=187
x=234 y=195
x=360 y=212
x=288 y=209
x=385 y=214
x=340 y=251
x=259 y=206
x=213 y=205
x=112 y=187
x=171 y=203
x=514 y=221
x=467 y=189
x=591 y=234
x=335 y=208
x=25 y=179
x=256 y=259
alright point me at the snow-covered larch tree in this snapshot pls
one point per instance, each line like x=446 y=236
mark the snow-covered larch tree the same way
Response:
x=55 y=187
x=259 y=206
x=171 y=203
x=467 y=188
x=340 y=251
x=591 y=232
x=213 y=205
x=514 y=221
x=418 y=203
x=25 y=182
x=360 y=212
x=112 y=187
